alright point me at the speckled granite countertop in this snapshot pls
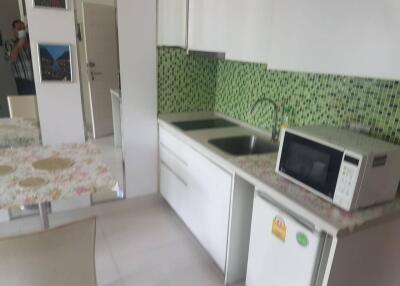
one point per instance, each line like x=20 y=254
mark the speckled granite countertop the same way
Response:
x=262 y=167
x=259 y=170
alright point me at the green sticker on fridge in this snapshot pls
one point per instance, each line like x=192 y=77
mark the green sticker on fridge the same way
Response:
x=302 y=239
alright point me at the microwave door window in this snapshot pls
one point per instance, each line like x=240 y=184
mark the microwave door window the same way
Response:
x=319 y=172
x=311 y=163
x=308 y=164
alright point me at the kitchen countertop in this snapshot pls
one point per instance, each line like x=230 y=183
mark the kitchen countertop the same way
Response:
x=259 y=170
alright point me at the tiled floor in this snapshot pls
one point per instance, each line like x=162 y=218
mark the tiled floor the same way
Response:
x=149 y=245
x=140 y=242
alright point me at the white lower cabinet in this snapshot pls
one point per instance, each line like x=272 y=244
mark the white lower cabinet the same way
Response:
x=199 y=192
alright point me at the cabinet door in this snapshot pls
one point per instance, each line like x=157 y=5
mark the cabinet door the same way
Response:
x=207 y=22
x=248 y=30
x=211 y=190
x=171 y=20
x=199 y=191
x=348 y=37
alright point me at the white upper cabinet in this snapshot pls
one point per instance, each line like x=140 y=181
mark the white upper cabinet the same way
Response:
x=172 y=15
x=348 y=37
x=239 y=28
x=248 y=30
x=207 y=22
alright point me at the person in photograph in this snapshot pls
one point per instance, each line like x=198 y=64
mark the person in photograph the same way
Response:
x=18 y=53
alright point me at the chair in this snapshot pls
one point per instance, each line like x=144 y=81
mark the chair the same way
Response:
x=23 y=106
x=62 y=256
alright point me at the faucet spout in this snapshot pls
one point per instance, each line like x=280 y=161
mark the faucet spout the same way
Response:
x=275 y=131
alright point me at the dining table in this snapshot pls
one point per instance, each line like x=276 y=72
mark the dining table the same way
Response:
x=39 y=175
x=19 y=132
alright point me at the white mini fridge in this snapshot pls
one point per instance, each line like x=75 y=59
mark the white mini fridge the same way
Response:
x=284 y=250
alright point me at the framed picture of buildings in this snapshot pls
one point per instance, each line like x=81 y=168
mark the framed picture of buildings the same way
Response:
x=55 y=62
x=59 y=4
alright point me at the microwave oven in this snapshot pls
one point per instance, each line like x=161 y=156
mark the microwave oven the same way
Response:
x=349 y=169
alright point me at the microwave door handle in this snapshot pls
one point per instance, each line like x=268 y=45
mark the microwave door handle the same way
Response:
x=308 y=225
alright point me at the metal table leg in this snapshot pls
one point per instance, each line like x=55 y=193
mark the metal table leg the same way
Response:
x=44 y=215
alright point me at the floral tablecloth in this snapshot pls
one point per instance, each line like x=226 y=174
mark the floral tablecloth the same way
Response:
x=86 y=174
x=263 y=168
x=18 y=132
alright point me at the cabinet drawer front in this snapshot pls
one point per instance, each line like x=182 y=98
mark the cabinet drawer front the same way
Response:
x=180 y=197
x=211 y=180
x=175 y=164
x=175 y=146
x=173 y=189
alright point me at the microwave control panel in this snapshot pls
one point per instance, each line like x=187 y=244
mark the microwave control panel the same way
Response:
x=346 y=184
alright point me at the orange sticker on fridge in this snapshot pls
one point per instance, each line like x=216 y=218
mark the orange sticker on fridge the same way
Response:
x=279 y=228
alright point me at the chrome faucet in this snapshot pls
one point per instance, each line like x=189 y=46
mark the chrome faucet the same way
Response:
x=275 y=131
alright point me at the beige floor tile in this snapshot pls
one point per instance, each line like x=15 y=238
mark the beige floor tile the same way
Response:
x=139 y=242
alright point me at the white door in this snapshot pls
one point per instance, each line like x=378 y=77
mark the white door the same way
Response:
x=282 y=250
x=102 y=63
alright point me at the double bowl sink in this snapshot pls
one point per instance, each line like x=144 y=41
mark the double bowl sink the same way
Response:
x=235 y=145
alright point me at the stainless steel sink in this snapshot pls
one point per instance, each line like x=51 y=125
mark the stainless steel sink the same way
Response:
x=244 y=145
x=203 y=124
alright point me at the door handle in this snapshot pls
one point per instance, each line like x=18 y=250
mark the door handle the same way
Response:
x=94 y=73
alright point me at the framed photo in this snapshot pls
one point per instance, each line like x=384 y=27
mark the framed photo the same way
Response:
x=59 y=4
x=55 y=62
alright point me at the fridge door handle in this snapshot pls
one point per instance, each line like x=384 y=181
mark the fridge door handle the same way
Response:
x=308 y=225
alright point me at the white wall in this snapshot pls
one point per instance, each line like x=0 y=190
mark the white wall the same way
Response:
x=138 y=64
x=59 y=104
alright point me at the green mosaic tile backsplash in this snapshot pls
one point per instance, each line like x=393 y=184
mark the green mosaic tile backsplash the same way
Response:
x=194 y=83
x=185 y=83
